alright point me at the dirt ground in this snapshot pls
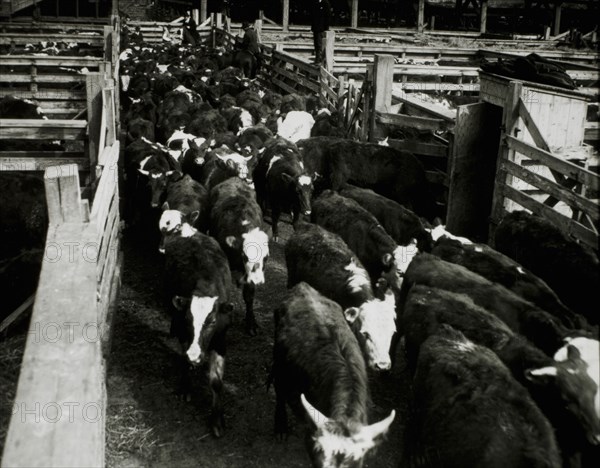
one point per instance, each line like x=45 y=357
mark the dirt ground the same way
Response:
x=148 y=425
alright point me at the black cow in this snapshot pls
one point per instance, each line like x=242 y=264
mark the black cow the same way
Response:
x=314 y=352
x=324 y=261
x=361 y=231
x=399 y=222
x=467 y=410
x=501 y=269
x=138 y=128
x=197 y=281
x=393 y=173
x=542 y=329
x=571 y=270
x=236 y=222
x=282 y=183
x=187 y=202
x=222 y=163
x=562 y=390
x=247 y=62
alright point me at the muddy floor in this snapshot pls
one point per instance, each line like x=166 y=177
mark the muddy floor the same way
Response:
x=148 y=425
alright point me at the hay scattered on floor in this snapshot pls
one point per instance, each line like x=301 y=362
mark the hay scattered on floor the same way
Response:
x=127 y=434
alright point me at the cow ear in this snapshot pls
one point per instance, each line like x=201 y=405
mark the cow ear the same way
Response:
x=194 y=216
x=221 y=164
x=573 y=352
x=351 y=313
x=287 y=178
x=231 y=241
x=231 y=163
x=143 y=172
x=180 y=303
x=387 y=259
x=165 y=206
x=542 y=374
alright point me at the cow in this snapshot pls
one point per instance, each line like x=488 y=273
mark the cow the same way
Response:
x=562 y=390
x=138 y=128
x=197 y=281
x=282 y=184
x=569 y=268
x=187 y=201
x=399 y=222
x=501 y=269
x=323 y=260
x=362 y=233
x=317 y=359
x=236 y=222
x=222 y=163
x=390 y=172
x=295 y=125
x=466 y=409
x=541 y=328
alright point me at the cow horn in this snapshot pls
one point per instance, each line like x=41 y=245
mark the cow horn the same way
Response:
x=377 y=429
x=318 y=418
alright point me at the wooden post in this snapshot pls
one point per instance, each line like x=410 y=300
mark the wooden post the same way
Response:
x=546 y=33
x=286 y=15
x=383 y=79
x=219 y=20
x=258 y=28
x=94 y=85
x=203 y=10
x=432 y=23
x=354 y=17
x=421 y=16
x=557 y=13
x=196 y=15
x=63 y=195
x=329 y=44
x=483 y=17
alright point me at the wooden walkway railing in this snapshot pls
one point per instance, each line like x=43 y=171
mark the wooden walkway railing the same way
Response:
x=59 y=412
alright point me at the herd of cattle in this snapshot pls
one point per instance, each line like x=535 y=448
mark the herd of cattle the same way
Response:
x=502 y=343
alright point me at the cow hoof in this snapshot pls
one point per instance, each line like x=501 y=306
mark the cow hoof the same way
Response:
x=217 y=426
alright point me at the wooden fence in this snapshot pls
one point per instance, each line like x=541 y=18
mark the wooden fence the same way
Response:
x=60 y=406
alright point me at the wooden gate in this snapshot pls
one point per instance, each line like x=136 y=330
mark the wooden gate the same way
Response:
x=543 y=164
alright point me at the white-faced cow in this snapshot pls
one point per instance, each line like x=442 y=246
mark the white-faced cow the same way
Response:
x=197 y=281
x=319 y=371
x=323 y=260
x=236 y=222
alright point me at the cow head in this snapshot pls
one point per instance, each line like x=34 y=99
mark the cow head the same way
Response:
x=303 y=190
x=255 y=252
x=158 y=183
x=374 y=324
x=396 y=263
x=201 y=319
x=174 y=222
x=243 y=165
x=339 y=444
x=576 y=390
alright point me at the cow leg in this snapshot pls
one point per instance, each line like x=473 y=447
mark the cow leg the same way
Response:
x=275 y=215
x=295 y=218
x=281 y=427
x=248 y=292
x=216 y=370
x=184 y=389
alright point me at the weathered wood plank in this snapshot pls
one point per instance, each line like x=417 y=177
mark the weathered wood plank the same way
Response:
x=63 y=195
x=38 y=129
x=588 y=178
x=41 y=163
x=420 y=123
x=59 y=408
x=106 y=187
x=552 y=188
x=418 y=147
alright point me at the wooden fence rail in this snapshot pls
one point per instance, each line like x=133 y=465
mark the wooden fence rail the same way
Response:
x=60 y=405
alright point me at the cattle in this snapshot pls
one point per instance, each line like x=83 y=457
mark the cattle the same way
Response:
x=363 y=234
x=317 y=359
x=253 y=139
x=236 y=222
x=138 y=128
x=399 y=222
x=295 y=126
x=222 y=163
x=393 y=173
x=197 y=281
x=194 y=158
x=542 y=329
x=501 y=269
x=467 y=410
x=207 y=124
x=237 y=119
x=562 y=390
x=187 y=202
x=328 y=124
x=323 y=260
x=281 y=183
x=569 y=268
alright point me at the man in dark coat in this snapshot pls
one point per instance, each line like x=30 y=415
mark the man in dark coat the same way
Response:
x=321 y=10
x=190 y=30
x=250 y=44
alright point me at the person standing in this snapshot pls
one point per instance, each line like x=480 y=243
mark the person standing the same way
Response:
x=321 y=10
x=190 y=30
x=250 y=44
